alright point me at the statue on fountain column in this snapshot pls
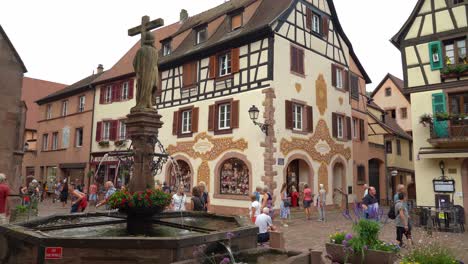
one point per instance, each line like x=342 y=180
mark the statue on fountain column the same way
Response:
x=147 y=73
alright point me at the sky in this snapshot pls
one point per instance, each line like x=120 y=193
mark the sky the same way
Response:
x=64 y=41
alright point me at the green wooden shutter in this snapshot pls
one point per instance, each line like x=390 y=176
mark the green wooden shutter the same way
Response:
x=435 y=55
x=439 y=106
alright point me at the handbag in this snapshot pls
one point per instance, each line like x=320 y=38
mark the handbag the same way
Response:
x=287 y=202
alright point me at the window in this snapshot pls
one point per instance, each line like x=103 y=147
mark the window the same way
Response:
x=355 y=86
x=81 y=103
x=404 y=112
x=224 y=62
x=108 y=96
x=391 y=113
x=458 y=104
x=456 y=2
x=106 y=131
x=55 y=141
x=201 y=35
x=64 y=108
x=316 y=23
x=186 y=121
x=410 y=151
x=189 y=74
x=388 y=91
x=398 y=147
x=388 y=146
x=234 y=178
x=236 y=21
x=122 y=130
x=79 y=137
x=339 y=78
x=166 y=48
x=455 y=51
x=124 y=91
x=45 y=141
x=224 y=118
x=340 y=126
x=49 y=111
x=182 y=173
x=297 y=116
x=361 y=174
x=355 y=128
x=297 y=60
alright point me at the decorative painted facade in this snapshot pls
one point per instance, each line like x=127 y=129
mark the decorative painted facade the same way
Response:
x=433 y=46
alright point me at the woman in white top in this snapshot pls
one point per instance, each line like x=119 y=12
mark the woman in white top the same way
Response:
x=178 y=200
x=254 y=208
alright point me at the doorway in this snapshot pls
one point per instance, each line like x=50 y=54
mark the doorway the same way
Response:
x=339 y=182
x=298 y=173
x=374 y=175
x=465 y=185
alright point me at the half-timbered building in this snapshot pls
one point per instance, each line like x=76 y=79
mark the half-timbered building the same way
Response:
x=433 y=47
x=288 y=58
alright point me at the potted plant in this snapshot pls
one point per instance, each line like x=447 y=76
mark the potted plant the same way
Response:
x=425 y=119
x=120 y=143
x=104 y=144
x=140 y=202
x=443 y=116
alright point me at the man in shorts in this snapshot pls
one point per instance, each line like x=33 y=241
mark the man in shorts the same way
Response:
x=402 y=220
x=265 y=224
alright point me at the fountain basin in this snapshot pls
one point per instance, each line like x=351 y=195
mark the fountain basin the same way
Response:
x=102 y=238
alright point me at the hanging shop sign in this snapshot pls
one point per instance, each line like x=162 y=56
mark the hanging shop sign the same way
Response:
x=444 y=186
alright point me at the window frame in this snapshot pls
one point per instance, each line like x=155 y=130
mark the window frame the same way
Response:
x=388 y=147
x=295 y=52
x=186 y=128
x=55 y=141
x=388 y=91
x=227 y=116
x=354 y=91
x=339 y=77
x=103 y=135
x=198 y=35
x=45 y=142
x=64 y=111
x=454 y=42
x=49 y=111
x=298 y=117
x=108 y=95
x=340 y=125
x=317 y=23
x=355 y=128
x=241 y=21
x=125 y=91
x=404 y=112
x=398 y=147
x=227 y=62
x=77 y=137
x=122 y=128
x=81 y=103
x=166 y=48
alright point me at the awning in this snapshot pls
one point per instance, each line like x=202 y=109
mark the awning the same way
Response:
x=72 y=165
x=437 y=153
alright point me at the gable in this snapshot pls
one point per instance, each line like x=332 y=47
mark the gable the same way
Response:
x=430 y=18
x=8 y=51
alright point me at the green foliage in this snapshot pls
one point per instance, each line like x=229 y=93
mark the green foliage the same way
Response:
x=425 y=119
x=387 y=247
x=21 y=209
x=367 y=231
x=90 y=174
x=147 y=199
x=337 y=238
x=429 y=253
x=457 y=69
x=103 y=143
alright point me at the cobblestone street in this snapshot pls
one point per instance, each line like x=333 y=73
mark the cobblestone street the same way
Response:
x=302 y=234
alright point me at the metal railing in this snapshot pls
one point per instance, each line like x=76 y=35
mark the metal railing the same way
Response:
x=455 y=129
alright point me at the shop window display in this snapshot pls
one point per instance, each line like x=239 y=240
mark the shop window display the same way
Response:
x=186 y=176
x=234 y=177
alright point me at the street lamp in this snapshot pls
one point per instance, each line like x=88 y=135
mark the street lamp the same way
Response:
x=253 y=113
x=442 y=168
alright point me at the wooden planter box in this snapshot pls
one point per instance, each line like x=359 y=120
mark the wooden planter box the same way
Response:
x=337 y=254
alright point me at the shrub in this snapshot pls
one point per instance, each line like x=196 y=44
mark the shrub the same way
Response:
x=368 y=231
x=429 y=253
x=337 y=238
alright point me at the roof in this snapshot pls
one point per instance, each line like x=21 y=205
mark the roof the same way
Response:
x=391 y=126
x=258 y=26
x=32 y=90
x=337 y=25
x=396 y=40
x=17 y=56
x=397 y=81
x=371 y=103
x=124 y=65
x=78 y=87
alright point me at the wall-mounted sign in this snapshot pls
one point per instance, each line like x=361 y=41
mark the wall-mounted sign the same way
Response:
x=53 y=253
x=281 y=161
x=444 y=186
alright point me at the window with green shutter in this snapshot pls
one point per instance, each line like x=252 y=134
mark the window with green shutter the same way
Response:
x=439 y=106
x=435 y=55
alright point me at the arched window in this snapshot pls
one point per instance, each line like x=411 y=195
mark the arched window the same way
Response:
x=185 y=176
x=234 y=175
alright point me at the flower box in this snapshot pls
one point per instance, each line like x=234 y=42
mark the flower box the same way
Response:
x=337 y=253
x=103 y=144
x=120 y=143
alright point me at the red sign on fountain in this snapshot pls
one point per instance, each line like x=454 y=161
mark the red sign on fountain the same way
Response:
x=53 y=253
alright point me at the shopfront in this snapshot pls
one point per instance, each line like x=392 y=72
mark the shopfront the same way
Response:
x=108 y=168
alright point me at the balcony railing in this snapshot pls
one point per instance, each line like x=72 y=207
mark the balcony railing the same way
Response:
x=449 y=132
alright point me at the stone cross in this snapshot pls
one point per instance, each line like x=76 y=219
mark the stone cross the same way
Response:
x=145 y=27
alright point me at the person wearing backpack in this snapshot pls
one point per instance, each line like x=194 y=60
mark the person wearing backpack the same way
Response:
x=402 y=221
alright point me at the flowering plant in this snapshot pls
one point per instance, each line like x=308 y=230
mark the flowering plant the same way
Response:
x=429 y=253
x=150 y=198
x=337 y=238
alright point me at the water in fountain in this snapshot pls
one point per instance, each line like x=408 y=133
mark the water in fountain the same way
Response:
x=229 y=251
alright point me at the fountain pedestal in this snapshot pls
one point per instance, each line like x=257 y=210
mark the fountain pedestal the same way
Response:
x=142 y=126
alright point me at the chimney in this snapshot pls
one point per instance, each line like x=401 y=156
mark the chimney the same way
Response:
x=100 y=68
x=183 y=15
